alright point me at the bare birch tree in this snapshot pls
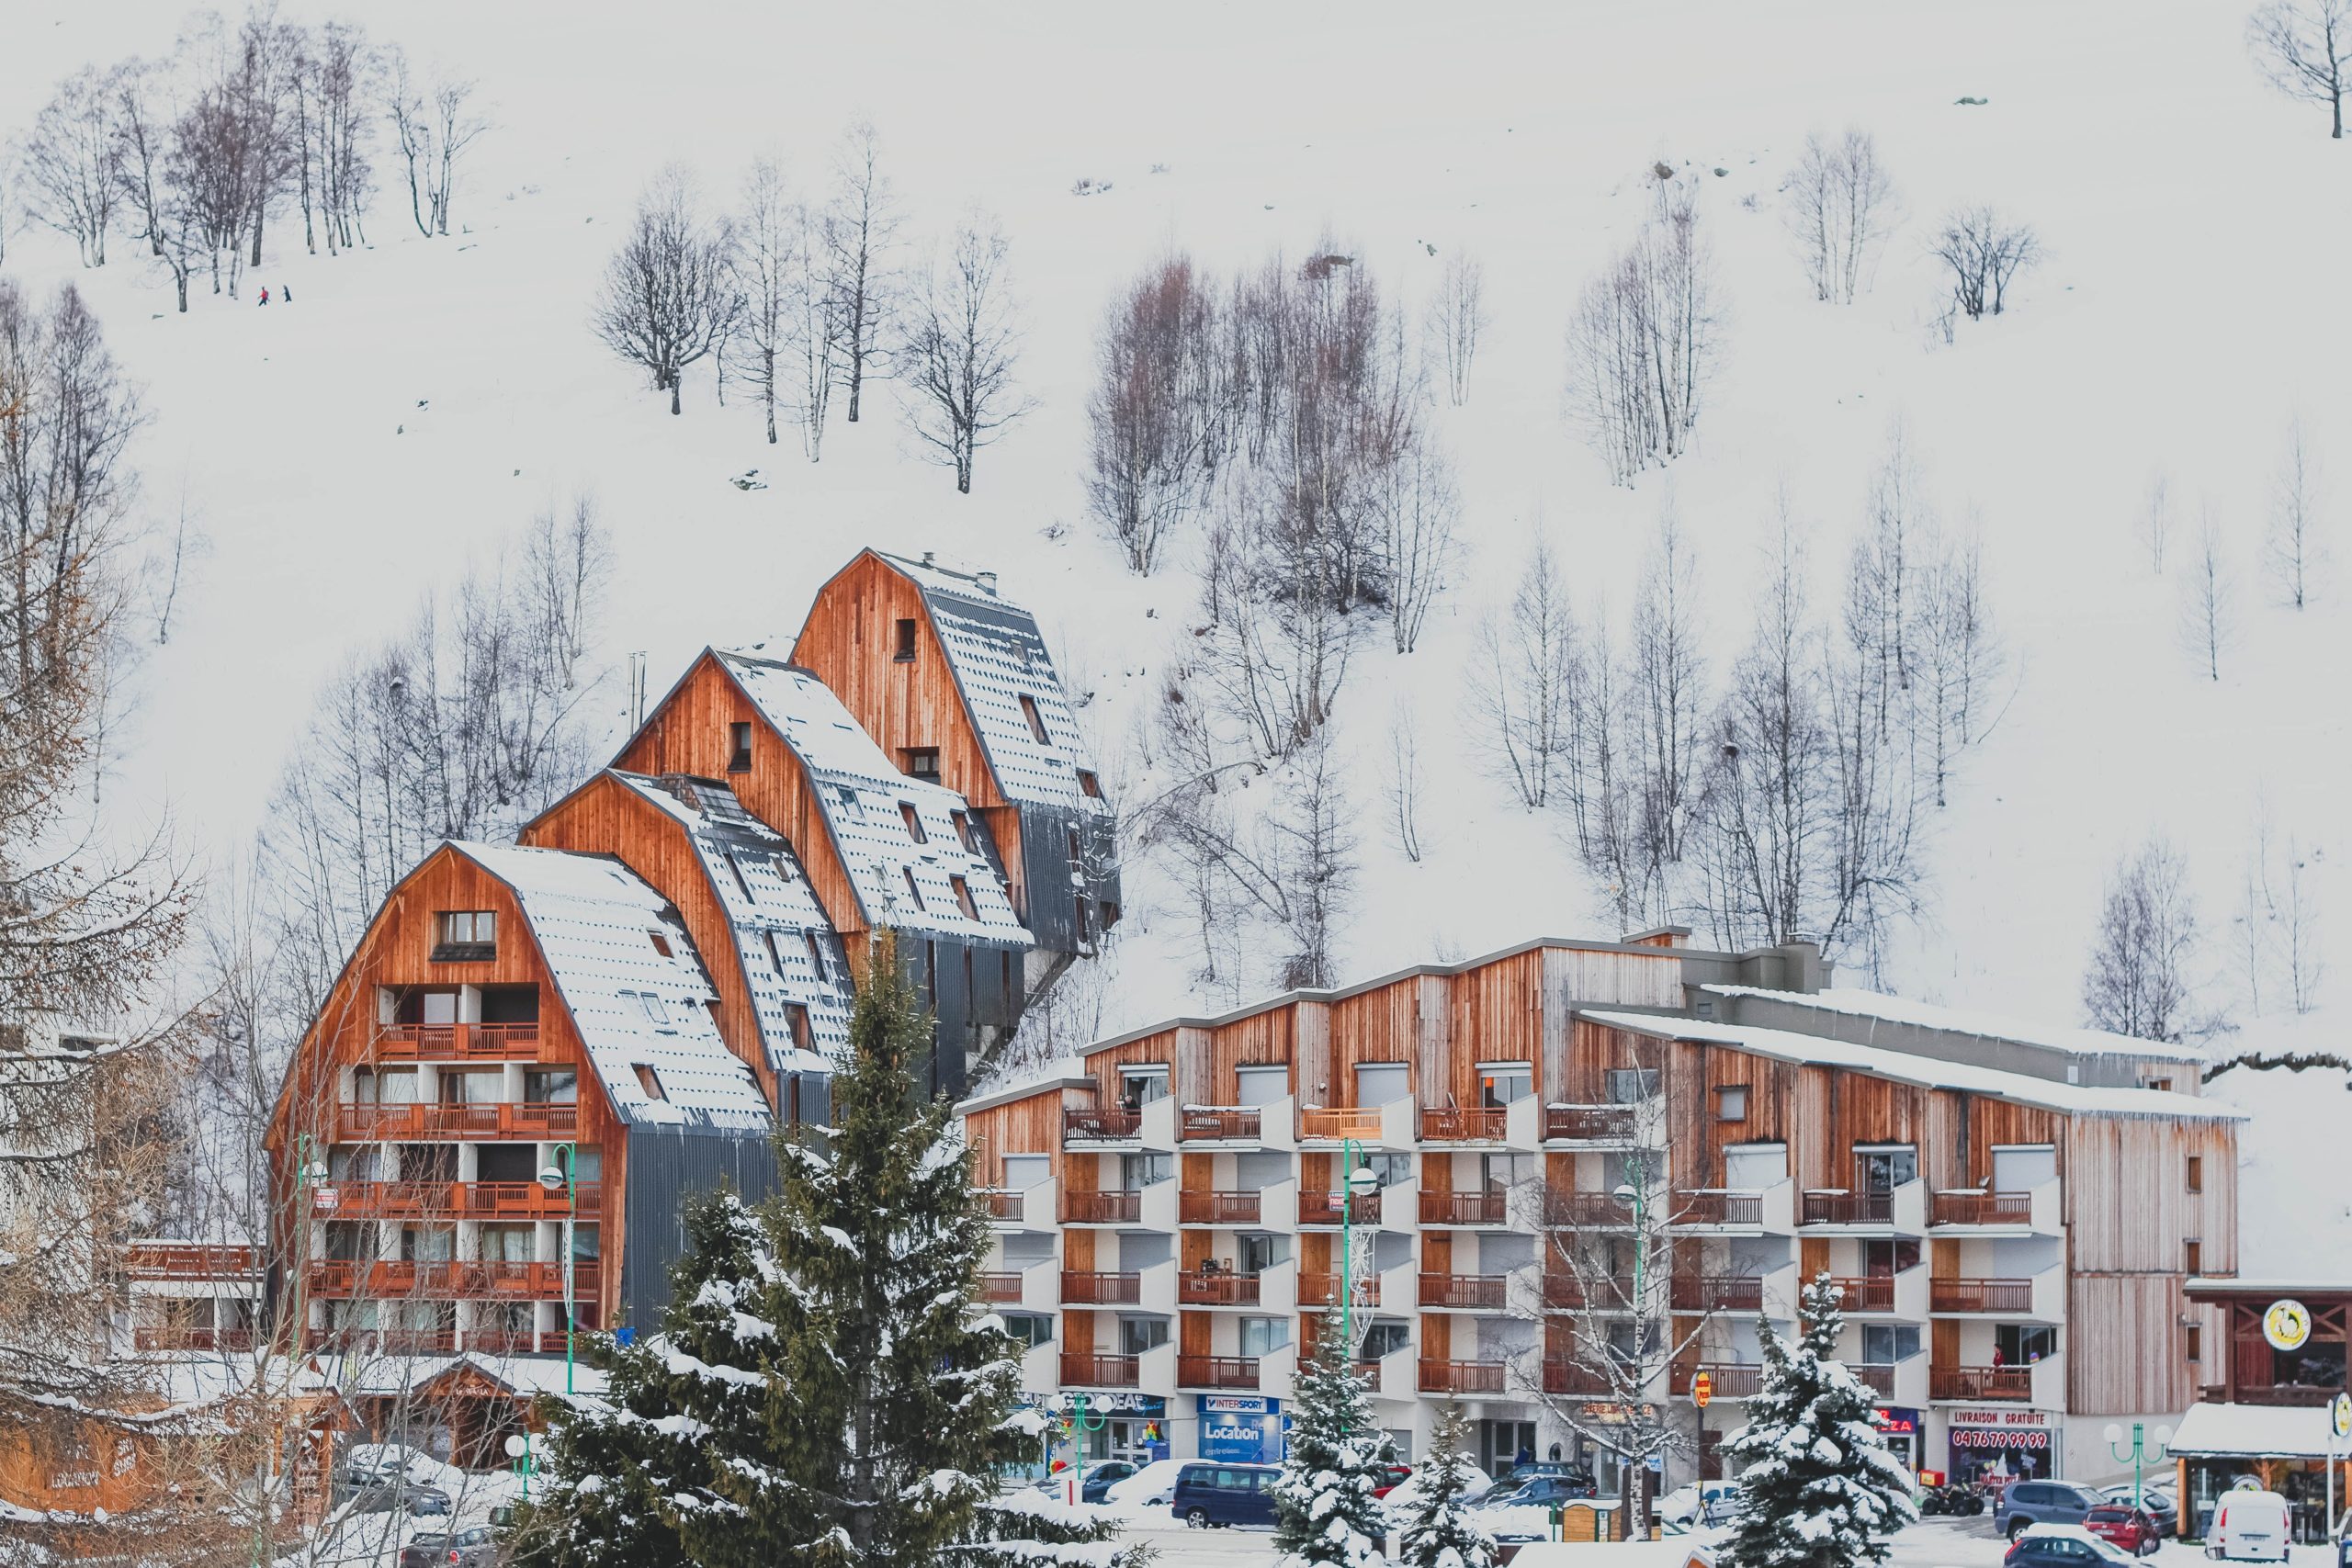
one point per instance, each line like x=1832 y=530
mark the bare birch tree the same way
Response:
x=668 y=298
x=2208 y=600
x=1525 y=670
x=2155 y=520
x=963 y=347
x=2301 y=48
x=1985 y=251
x=70 y=163
x=1642 y=343
x=1457 y=317
x=2137 y=980
x=761 y=265
x=1403 y=784
x=2292 y=548
x=861 y=227
x=1419 y=508
x=1841 y=206
x=1153 y=417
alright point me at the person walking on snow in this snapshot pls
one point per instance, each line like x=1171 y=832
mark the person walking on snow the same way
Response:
x=265 y=296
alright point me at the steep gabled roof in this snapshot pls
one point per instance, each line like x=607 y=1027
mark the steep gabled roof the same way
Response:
x=999 y=655
x=773 y=912
x=630 y=1003
x=860 y=795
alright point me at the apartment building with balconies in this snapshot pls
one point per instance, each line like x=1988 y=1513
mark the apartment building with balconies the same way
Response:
x=1169 y=1207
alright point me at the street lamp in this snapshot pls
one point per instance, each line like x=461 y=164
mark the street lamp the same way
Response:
x=565 y=1176
x=1360 y=1179
x=518 y=1449
x=2114 y=1435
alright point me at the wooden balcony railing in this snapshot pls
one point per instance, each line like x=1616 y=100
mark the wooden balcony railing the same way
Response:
x=1217 y=1371
x=1217 y=1208
x=1473 y=1292
x=1726 y=1379
x=336 y=1276
x=1099 y=1371
x=1585 y=1211
x=2284 y=1393
x=1588 y=1124
x=1575 y=1380
x=1488 y=1207
x=1869 y=1293
x=191 y=1261
x=1331 y=1123
x=1718 y=1208
x=190 y=1336
x=1848 y=1209
x=1461 y=1377
x=360 y=1123
x=1876 y=1376
x=1214 y=1122
x=459 y=1199
x=1716 y=1293
x=1220 y=1287
x=997 y=1286
x=1002 y=1204
x=1115 y=1125
x=1981 y=1209
x=1980 y=1295
x=1101 y=1290
x=1101 y=1208
x=1980 y=1382
x=1450 y=1124
x=1322 y=1290
x=458 y=1043
x=1323 y=1207
x=1569 y=1293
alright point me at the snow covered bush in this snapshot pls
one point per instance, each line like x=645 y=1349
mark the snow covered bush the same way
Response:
x=1818 y=1488
x=1438 y=1531
x=1324 y=1508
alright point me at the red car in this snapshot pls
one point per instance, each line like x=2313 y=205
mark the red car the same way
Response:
x=1392 y=1478
x=2126 y=1529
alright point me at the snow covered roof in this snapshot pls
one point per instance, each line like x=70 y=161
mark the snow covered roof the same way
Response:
x=632 y=1004
x=791 y=953
x=2305 y=1285
x=1928 y=1072
x=1856 y=1003
x=387 y=1374
x=2253 y=1431
x=999 y=655
x=1062 y=1072
x=861 y=796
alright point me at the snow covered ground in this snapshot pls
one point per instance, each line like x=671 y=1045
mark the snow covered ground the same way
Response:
x=420 y=399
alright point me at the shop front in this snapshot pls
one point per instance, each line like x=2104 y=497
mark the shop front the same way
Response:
x=1900 y=1428
x=1241 y=1429
x=1113 y=1424
x=1997 y=1446
x=2279 y=1448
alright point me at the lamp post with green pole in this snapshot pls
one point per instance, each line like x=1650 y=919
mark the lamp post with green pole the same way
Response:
x=1360 y=1179
x=2140 y=1452
x=567 y=1177
x=1634 y=1194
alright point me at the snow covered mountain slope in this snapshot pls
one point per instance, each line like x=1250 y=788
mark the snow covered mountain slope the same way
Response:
x=417 y=399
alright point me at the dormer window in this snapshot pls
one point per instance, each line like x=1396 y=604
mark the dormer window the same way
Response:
x=912 y=891
x=964 y=831
x=739 y=747
x=465 y=936
x=921 y=762
x=648 y=1081
x=964 y=897
x=1037 y=720
x=796 y=1017
x=661 y=944
x=904 y=651
x=1088 y=785
x=816 y=952
x=913 y=820
x=657 y=1011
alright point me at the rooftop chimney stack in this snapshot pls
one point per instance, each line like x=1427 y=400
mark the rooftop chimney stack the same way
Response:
x=930 y=559
x=988 y=581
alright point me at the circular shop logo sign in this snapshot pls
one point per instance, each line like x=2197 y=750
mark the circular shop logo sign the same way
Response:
x=2287 y=1325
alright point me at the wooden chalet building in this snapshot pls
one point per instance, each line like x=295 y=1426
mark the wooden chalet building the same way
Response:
x=2268 y=1359
x=1169 y=1212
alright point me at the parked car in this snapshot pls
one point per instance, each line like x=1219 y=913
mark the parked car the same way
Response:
x=1542 y=1492
x=2154 y=1501
x=392 y=1497
x=2125 y=1528
x=2063 y=1546
x=2026 y=1502
x=2249 y=1527
x=1152 y=1486
x=1096 y=1479
x=1392 y=1477
x=475 y=1548
x=1534 y=1468
x=1226 y=1495
x=1700 y=1503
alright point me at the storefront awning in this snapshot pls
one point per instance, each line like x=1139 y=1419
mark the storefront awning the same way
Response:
x=2253 y=1431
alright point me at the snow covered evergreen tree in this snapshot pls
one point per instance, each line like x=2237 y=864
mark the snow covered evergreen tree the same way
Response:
x=1440 y=1532
x=1817 y=1487
x=1324 y=1508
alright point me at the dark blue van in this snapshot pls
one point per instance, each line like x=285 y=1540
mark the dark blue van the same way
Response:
x=1221 y=1494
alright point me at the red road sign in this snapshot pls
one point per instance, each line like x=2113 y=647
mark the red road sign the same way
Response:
x=1702 y=1389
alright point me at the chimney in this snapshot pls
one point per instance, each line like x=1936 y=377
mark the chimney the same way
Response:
x=929 y=559
x=987 y=581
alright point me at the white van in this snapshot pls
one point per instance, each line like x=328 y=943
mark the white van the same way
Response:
x=2249 y=1527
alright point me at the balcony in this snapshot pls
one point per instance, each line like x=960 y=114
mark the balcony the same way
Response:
x=191 y=1261
x=1586 y=1210
x=458 y=1043
x=2287 y=1394
x=1216 y=1288
x=190 y=1336
x=1464 y=1292
x=1101 y=1290
x=1848 y=1209
x=1324 y=1208
x=1336 y=1123
x=1323 y=1289
x=1101 y=1208
x=1569 y=1293
x=1219 y=1124
x=1218 y=1373
x=1461 y=1377
x=1218 y=1208
x=1002 y=1204
x=1867 y=1293
x=1718 y=1206
x=2008 y=1209
x=2012 y=1384
x=1113 y=1126
x=1716 y=1293
x=1726 y=1379
x=1575 y=1380
x=453 y=1199
x=1490 y=1207
x=1099 y=1371
x=1447 y=1124
x=2009 y=1297
x=1588 y=1124
x=997 y=1286
x=441 y=1279
x=528 y=1119
x=1876 y=1376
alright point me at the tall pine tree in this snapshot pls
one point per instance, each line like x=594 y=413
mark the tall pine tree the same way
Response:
x=1324 y=1508
x=1439 y=1531
x=1818 y=1488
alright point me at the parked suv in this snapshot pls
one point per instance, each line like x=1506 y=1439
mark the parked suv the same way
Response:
x=1225 y=1495
x=473 y=1548
x=2026 y=1502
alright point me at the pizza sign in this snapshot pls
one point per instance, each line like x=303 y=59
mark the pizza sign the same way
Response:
x=1702 y=1389
x=2287 y=1324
